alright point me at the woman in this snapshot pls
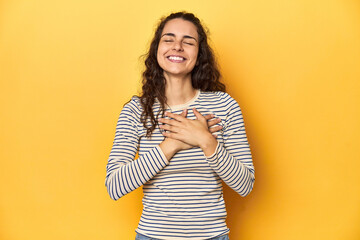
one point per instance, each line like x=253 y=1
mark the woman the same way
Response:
x=189 y=134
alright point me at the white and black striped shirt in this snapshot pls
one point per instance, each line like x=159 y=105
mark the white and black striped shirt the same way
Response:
x=183 y=198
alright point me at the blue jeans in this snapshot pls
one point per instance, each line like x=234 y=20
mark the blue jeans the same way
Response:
x=142 y=237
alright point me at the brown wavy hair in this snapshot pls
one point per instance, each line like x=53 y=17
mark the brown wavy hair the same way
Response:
x=205 y=75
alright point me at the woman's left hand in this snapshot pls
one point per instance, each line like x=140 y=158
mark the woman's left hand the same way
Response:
x=193 y=132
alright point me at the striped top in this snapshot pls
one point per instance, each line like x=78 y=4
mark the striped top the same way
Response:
x=183 y=197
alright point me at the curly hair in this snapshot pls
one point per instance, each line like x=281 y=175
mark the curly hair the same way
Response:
x=205 y=76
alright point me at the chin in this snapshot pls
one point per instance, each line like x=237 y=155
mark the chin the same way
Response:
x=177 y=73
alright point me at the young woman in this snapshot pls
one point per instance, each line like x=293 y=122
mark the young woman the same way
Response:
x=190 y=137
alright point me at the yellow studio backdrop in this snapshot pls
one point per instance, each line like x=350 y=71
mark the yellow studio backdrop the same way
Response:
x=67 y=68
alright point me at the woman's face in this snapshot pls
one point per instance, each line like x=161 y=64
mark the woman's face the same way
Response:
x=178 y=48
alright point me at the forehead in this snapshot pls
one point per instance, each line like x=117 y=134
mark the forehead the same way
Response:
x=180 y=27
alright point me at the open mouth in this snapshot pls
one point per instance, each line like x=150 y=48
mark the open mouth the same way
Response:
x=176 y=58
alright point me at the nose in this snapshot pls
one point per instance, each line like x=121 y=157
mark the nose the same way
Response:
x=178 y=46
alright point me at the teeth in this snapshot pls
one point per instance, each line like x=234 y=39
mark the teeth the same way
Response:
x=176 y=58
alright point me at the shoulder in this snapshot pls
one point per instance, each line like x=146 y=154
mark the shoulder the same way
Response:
x=133 y=107
x=219 y=97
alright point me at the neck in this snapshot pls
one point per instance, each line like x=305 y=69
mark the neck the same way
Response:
x=178 y=90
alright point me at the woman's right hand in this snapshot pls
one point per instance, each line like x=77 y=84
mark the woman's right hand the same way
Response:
x=171 y=146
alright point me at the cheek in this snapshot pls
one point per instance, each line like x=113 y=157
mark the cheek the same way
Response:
x=195 y=55
x=158 y=55
x=160 y=52
x=161 y=49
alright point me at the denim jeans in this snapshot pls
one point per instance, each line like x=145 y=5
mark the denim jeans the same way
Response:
x=142 y=237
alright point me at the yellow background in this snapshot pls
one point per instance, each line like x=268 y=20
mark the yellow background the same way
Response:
x=67 y=67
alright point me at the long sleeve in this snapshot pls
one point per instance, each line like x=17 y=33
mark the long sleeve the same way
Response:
x=232 y=160
x=123 y=173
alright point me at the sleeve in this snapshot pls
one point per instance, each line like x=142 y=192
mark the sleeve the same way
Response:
x=232 y=160
x=123 y=173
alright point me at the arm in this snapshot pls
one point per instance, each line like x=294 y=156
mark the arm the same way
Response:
x=123 y=173
x=232 y=160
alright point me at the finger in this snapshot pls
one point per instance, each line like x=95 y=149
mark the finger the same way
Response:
x=170 y=128
x=175 y=116
x=213 y=122
x=209 y=116
x=176 y=136
x=215 y=129
x=184 y=113
x=198 y=115
x=169 y=121
x=170 y=135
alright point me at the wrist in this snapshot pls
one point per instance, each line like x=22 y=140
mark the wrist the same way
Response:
x=168 y=148
x=208 y=145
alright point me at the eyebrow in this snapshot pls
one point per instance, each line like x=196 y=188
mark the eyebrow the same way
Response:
x=173 y=35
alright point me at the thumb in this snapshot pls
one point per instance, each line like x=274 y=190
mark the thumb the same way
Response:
x=184 y=113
